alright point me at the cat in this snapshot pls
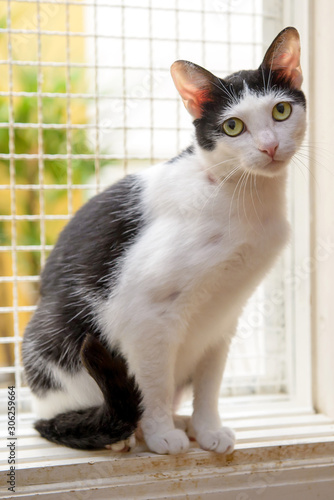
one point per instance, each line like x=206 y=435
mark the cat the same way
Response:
x=142 y=293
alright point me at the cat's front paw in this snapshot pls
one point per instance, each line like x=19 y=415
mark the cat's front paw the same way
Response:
x=220 y=441
x=170 y=442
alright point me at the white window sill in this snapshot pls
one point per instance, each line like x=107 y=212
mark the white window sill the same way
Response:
x=281 y=452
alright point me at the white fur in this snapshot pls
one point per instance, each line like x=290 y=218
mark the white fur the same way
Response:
x=79 y=391
x=186 y=279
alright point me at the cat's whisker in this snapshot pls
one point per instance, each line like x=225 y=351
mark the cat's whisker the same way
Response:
x=256 y=190
x=222 y=87
x=300 y=160
x=294 y=160
x=253 y=178
x=306 y=149
x=239 y=193
x=263 y=77
x=219 y=163
x=234 y=92
x=313 y=160
x=231 y=202
x=274 y=57
x=243 y=187
x=213 y=196
x=230 y=174
x=225 y=179
x=317 y=147
x=269 y=77
x=243 y=196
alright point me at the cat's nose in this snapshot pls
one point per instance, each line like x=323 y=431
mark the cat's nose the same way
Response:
x=270 y=149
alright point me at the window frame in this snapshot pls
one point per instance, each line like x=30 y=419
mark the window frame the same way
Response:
x=298 y=282
x=322 y=205
x=279 y=469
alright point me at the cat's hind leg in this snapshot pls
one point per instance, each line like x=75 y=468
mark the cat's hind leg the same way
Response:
x=99 y=426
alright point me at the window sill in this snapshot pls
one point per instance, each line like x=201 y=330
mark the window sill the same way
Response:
x=281 y=452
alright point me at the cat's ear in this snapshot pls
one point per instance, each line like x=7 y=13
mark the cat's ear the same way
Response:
x=283 y=56
x=194 y=85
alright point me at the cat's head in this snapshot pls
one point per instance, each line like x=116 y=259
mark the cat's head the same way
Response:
x=254 y=120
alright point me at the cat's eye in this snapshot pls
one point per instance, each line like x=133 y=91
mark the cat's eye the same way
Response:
x=233 y=127
x=282 y=111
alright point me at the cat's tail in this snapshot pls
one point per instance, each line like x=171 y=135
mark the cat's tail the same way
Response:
x=98 y=427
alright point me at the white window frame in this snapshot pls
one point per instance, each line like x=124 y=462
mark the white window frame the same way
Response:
x=299 y=279
x=321 y=130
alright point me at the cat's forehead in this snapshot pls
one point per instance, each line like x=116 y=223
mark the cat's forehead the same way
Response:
x=258 y=88
x=251 y=100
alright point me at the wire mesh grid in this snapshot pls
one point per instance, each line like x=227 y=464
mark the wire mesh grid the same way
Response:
x=86 y=98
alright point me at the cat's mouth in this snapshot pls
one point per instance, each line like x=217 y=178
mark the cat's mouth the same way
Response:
x=272 y=167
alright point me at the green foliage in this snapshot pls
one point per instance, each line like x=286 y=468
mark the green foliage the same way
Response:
x=26 y=141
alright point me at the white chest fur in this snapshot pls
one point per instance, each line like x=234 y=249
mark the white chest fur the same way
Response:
x=202 y=225
x=202 y=253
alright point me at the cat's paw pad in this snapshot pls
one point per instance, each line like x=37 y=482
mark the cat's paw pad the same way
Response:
x=123 y=446
x=220 y=441
x=170 y=442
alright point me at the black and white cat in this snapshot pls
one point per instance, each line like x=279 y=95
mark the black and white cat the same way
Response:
x=142 y=293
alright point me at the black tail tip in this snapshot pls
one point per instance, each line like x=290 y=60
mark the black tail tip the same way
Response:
x=47 y=429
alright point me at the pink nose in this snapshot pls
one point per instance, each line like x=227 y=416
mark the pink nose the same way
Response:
x=270 y=149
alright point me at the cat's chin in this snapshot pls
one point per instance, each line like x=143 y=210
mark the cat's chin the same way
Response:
x=272 y=169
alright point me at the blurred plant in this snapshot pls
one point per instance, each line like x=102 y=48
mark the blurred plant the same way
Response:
x=27 y=172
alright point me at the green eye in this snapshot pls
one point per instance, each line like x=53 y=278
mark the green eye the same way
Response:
x=233 y=127
x=282 y=111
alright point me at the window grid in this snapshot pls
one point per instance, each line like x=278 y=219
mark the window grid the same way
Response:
x=127 y=158
x=16 y=369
